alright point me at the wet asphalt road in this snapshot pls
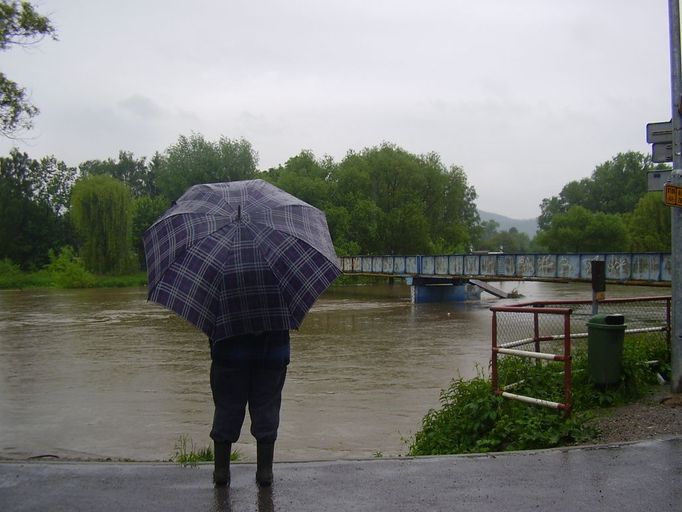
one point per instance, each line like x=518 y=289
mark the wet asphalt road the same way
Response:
x=635 y=477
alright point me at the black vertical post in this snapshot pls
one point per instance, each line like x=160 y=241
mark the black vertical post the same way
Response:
x=598 y=284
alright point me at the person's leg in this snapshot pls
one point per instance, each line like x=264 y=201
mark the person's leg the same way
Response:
x=230 y=391
x=230 y=388
x=265 y=399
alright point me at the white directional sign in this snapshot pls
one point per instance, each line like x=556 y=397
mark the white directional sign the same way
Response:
x=659 y=132
x=662 y=152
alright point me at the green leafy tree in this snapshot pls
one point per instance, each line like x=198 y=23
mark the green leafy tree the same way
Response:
x=33 y=196
x=306 y=178
x=146 y=210
x=511 y=241
x=614 y=187
x=193 y=160
x=548 y=209
x=649 y=225
x=20 y=25
x=580 y=230
x=617 y=185
x=135 y=173
x=101 y=213
x=404 y=203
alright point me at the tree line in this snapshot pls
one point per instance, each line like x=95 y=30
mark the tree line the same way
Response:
x=610 y=211
x=380 y=200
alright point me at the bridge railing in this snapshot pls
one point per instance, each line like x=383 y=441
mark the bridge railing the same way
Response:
x=620 y=267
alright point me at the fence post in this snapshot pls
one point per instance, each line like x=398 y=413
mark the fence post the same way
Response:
x=536 y=331
x=494 y=377
x=568 y=366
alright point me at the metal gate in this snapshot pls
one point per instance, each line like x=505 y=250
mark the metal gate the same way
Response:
x=531 y=327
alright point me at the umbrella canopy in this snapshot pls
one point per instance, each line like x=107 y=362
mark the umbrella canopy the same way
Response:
x=239 y=257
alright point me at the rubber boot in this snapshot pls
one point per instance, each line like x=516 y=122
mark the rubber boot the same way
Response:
x=264 y=455
x=221 y=472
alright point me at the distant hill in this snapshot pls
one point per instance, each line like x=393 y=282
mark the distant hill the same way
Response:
x=528 y=226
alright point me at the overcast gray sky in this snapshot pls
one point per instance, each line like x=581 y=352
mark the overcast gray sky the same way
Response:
x=525 y=95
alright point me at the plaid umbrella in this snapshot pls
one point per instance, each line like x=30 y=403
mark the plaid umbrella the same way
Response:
x=239 y=257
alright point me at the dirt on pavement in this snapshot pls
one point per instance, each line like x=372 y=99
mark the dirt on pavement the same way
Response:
x=657 y=415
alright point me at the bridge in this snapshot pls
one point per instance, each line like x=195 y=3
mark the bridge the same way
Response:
x=459 y=277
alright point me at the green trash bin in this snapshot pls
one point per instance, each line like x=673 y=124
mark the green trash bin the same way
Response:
x=605 y=334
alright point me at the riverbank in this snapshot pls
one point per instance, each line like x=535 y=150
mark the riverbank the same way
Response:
x=73 y=277
x=70 y=275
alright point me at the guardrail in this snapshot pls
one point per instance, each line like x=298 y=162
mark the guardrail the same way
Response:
x=620 y=267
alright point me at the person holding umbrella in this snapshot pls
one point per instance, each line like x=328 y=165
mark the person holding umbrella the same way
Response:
x=244 y=261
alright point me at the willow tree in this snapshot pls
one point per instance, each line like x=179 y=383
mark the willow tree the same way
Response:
x=101 y=213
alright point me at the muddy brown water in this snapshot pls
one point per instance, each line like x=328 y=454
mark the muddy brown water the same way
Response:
x=105 y=374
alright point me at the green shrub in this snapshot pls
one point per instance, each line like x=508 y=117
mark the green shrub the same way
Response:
x=468 y=411
x=67 y=271
x=471 y=419
x=10 y=275
x=639 y=373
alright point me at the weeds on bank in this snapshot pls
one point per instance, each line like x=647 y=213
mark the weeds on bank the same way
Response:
x=187 y=454
x=65 y=270
x=471 y=419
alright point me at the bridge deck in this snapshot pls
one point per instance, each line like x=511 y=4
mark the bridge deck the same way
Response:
x=649 y=268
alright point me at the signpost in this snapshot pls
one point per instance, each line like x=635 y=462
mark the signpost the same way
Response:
x=674 y=186
x=666 y=138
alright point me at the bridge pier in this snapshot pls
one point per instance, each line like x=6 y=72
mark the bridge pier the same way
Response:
x=423 y=290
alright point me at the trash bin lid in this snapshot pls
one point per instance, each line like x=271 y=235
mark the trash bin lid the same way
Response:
x=607 y=319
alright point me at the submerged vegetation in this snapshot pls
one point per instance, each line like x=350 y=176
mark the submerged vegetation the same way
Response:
x=472 y=419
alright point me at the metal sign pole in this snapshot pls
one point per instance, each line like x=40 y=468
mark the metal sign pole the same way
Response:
x=676 y=180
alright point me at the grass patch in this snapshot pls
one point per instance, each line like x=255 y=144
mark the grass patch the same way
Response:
x=471 y=419
x=139 y=279
x=187 y=454
x=351 y=280
x=64 y=271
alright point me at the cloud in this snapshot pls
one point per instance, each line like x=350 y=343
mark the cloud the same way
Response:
x=142 y=106
x=525 y=96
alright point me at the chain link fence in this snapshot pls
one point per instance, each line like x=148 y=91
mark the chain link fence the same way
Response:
x=551 y=330
x=642 y=315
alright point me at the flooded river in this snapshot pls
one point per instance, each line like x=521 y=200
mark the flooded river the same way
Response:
x=105 y=374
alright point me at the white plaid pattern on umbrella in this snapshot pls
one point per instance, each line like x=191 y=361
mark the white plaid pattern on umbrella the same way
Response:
x=239 y=257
